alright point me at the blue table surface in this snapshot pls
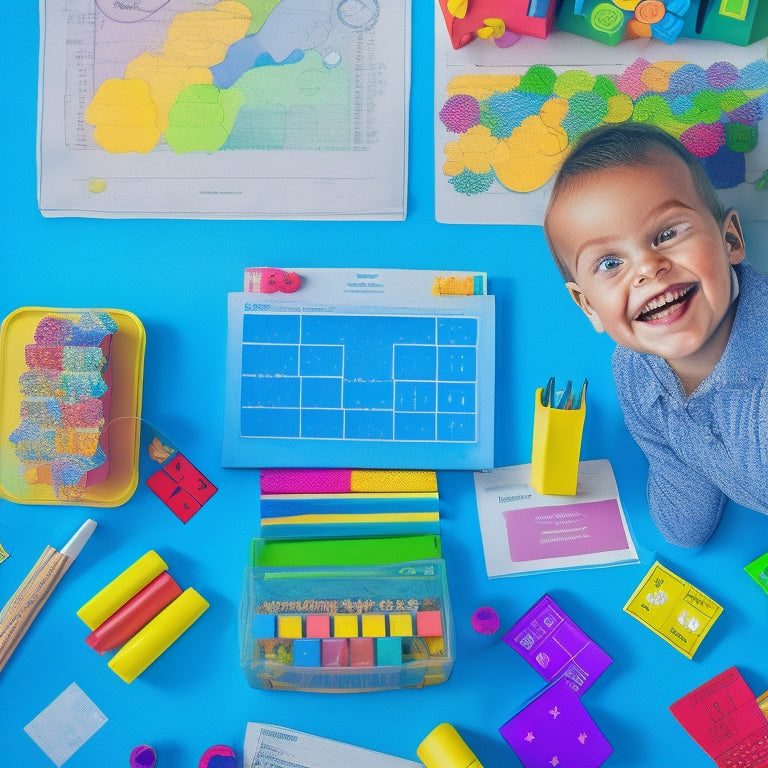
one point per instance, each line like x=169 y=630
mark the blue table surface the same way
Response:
x=175 y=276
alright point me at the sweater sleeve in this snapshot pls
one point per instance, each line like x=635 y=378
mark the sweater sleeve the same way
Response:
x=685 y=506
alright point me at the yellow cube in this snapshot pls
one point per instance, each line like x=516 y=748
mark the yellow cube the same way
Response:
x=374 y=625
x=289 y=626
x=400 y=625
x=345 y=625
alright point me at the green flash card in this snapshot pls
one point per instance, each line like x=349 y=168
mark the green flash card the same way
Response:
x=758 y=570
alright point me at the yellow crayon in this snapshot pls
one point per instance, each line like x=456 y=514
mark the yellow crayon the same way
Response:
x=121 y=589
x=157 y=636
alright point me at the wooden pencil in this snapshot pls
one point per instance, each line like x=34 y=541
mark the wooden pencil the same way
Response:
x=26 y=602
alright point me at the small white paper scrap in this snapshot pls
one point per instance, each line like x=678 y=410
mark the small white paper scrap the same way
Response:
x=65 y=724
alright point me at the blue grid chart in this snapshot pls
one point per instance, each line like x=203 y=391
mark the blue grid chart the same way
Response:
x=404 y=387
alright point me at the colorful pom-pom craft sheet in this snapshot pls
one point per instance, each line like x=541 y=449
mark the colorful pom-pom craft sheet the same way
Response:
x=506 y=118
x=65 y=375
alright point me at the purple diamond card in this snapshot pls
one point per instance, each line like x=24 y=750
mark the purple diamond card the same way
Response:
x=555 y=647
x=556 y=730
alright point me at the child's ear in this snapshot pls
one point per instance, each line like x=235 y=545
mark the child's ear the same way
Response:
x=585 y=306
x=733 y=237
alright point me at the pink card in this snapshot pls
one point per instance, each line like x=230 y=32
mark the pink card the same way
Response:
x=723 y=718
x=580 y=528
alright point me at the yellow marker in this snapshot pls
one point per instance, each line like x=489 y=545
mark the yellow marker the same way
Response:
x=121 y=589
x=157 y=636
x=444 y=748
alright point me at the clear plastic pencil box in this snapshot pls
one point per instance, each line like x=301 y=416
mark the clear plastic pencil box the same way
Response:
x=346 y=628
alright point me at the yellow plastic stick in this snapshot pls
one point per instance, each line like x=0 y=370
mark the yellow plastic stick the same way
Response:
x=121 y=589
x=156 y=637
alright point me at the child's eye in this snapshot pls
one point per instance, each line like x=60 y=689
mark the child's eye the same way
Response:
x=607 y=263
x=664 y=236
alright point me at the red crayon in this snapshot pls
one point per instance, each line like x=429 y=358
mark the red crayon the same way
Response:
x=127 y=620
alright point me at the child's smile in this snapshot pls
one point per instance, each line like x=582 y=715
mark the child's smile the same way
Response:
x=668 y=306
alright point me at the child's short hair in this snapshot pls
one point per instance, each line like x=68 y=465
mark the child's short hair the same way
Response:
x=621 y=145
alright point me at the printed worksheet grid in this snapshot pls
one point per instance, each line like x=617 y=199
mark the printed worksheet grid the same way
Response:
x=375 y=377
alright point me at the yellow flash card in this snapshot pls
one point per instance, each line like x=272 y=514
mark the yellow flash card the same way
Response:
x=673 y=609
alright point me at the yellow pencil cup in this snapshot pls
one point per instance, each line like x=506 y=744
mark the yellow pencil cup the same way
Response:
x=556 y=447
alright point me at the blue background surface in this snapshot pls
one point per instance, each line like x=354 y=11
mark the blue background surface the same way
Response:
x=175 y=276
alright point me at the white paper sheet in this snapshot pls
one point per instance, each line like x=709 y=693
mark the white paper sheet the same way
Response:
x=200 y=113
x=65 y=724
x=524 y=531
x=272 y=746
x=563 y=51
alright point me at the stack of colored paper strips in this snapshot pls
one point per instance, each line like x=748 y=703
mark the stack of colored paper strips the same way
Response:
x=347 y=503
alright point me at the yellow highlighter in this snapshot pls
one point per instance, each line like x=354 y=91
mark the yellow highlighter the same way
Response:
x=444 y=748
x=121 y=589
x=157 y=636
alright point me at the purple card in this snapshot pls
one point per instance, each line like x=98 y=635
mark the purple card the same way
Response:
x=556 y=730
x=555 y=647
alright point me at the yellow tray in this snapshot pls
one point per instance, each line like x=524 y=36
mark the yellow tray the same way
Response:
x=120 y=437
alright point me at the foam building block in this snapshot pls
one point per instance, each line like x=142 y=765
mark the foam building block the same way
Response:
x=555 y=729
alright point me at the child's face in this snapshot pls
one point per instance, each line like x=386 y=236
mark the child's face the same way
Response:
x=651 y=265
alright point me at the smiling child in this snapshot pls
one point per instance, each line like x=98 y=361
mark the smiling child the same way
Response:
x=653 y=258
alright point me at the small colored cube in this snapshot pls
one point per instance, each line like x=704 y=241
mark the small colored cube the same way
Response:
x=374 y=625
x=429 y=624
x=289 y=626
x=318 y=625
x=306 y=652
x=345 y=625
x=263 y=625
x=389 y=652
x=334 y=652
x=361 y=652
x=400 y=625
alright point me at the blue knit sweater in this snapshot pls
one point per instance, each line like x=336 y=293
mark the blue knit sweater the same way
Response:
x=712 y=445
